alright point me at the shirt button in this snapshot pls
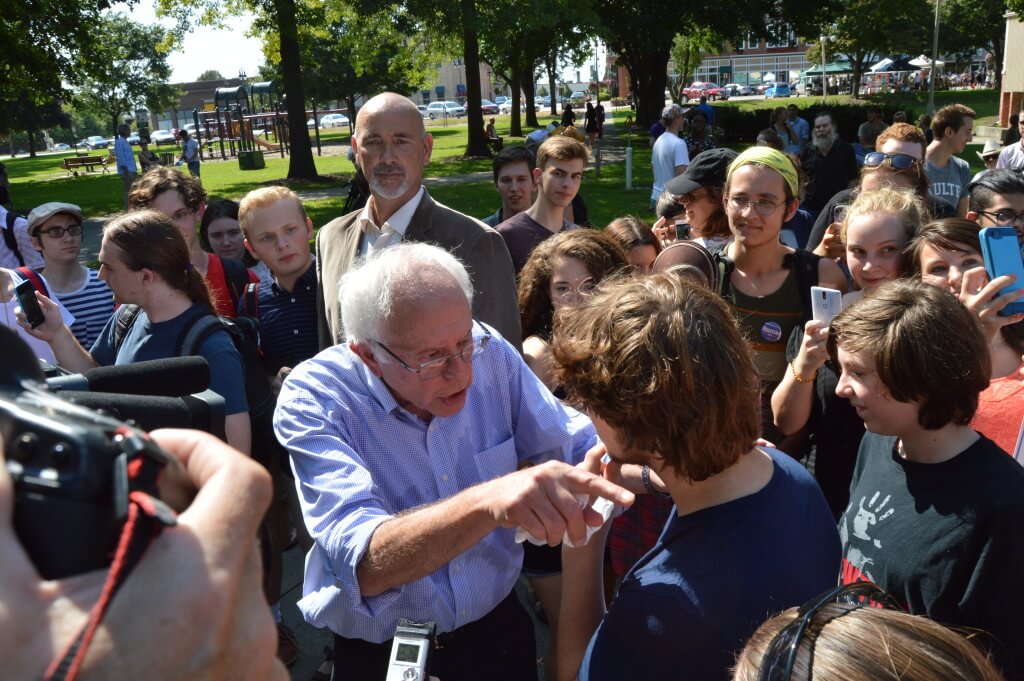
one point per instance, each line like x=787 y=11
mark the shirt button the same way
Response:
x=295 y=332
x=293 y=300
x=445 y=477
x=457 y=568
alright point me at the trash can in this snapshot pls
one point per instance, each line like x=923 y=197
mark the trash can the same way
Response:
x=251 y=160
x=167 y=158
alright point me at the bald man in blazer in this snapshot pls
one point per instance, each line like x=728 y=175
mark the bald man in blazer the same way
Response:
x=392 y=147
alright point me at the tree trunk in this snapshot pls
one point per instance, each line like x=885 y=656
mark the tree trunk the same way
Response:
x=995 y=75
x=552 y=63
x=300 y=160
x=471 y=53
x=526 y=82
x=648 y=70
x=31 y=142
x=517 y=125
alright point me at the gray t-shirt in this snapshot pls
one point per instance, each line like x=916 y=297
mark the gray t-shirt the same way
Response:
x=949 y=183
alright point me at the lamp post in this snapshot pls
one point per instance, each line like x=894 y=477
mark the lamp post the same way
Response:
x=935 y=58
x=824 y=78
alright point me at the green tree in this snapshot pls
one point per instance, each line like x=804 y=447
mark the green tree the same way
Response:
x=969 y=24
x=127 y=70
x=868 y=30
x=28 y=114
x=347 y=55
x=210 y=74
x=277 y=17
x=688 y=50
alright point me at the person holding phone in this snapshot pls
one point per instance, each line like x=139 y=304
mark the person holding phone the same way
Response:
x=877 y=227
x=16 y=301
x=947 y=254
x=936 y=509
x=767 y=282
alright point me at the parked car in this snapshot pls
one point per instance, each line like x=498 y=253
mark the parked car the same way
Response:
x=737 y=90
x=442 y=109
x=487 y=107
x=501 y=100
x=161 y=137
x=60 y=146
x=698 y=89
x=423 y=110
x=334 y=120
x=94 y=142
x=579 y=97
x=505 y=107
x=777 y=90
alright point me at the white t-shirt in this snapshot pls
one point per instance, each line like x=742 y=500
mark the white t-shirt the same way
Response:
x=40 y=349
x=8 y=259
x=668 y=153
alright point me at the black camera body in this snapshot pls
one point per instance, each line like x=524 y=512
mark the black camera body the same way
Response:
x=71 y=485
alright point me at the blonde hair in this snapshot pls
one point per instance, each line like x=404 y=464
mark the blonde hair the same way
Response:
x=261 y=198
x=853 y=643
x=901 y=203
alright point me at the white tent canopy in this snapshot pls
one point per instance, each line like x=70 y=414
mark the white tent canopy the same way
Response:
x=924 y=62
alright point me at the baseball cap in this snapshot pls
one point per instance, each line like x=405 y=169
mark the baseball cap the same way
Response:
x=41 y=214
x=707 y=169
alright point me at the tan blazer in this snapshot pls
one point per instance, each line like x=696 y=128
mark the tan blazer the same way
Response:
x=480 y=248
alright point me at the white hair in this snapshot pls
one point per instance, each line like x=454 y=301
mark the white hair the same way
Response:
x=406 y=271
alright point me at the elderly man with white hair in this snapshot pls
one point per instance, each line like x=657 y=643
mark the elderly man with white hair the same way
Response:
x=412 y=447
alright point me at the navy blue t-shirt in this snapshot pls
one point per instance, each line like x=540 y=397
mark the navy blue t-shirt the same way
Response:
x=146 y=340
x=688 y=607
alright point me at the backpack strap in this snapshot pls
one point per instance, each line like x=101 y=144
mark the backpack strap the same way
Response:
x=196 y=330
x=252 y=303
x=10 y=239
x=236 y=275
x=126 y=316
x=37 y=281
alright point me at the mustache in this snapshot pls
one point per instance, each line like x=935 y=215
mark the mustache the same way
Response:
x=388 y=168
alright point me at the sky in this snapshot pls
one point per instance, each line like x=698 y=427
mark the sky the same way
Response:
x=206 y=48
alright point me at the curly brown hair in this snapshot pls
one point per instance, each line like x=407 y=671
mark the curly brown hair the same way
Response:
x=599 y=253
x=160 y=180
x=663 y=362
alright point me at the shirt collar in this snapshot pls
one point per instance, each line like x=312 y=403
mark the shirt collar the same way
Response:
x=398 y=222
x=308 y=279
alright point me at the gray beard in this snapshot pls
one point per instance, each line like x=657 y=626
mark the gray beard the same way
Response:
x=822 y=143
x=378 y=188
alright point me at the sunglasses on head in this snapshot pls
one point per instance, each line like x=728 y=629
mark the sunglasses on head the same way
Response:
x=781 y=653
x=897 y=161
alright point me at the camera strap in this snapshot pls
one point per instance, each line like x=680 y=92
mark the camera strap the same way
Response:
x=147 y=517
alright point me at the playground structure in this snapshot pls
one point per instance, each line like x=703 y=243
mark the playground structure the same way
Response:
x=247 y=119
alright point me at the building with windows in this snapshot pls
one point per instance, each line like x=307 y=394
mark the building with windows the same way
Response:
x=754 y=61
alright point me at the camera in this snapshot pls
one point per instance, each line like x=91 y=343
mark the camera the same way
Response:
x=410 y=651
x=70 y=468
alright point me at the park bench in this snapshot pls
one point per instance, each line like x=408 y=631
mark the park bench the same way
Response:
x=73 y=164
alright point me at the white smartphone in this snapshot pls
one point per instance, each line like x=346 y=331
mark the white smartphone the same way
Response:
x=826 y=303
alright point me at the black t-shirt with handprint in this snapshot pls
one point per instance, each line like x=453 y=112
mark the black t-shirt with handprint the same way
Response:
x=945 y=539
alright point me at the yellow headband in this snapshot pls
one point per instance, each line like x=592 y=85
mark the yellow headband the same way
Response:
x=771 y=158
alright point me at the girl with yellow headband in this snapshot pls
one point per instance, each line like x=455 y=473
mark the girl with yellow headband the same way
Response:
x=766 y=278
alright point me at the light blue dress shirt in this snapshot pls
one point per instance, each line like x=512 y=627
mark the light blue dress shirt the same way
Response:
x=125 y=156
x=360 y=459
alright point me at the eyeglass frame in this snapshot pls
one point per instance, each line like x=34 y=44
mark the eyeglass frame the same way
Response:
x=1018 y=217
x=890 y=158
x=62 y=230
x=779 y=645
x=442 y=362
x=732 y=202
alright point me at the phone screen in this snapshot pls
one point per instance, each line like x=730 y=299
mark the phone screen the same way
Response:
x=29 y=305
x=839 y=212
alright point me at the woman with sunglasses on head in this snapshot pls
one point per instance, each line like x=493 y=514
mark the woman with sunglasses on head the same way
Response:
x=897 y=162
x=947 y=254
x=560 y=273
x=835 y=637
x=767 y=282
x=936 y=513
x=878 y=226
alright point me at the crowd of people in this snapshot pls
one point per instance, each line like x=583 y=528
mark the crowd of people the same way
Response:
x=695 y=475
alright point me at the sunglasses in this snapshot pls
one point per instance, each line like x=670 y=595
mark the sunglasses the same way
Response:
x=780 y=655
x=897 y=161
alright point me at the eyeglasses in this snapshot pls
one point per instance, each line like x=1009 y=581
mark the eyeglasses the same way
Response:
x=687 y=199
x=1004 y=217
x=761 y=206
x=428 y=371
x=896 y=161
x=58 y=232
x=780 y=655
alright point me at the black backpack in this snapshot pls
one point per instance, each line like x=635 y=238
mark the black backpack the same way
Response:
x=236 y=274
x=245 y=335
x=10 y=240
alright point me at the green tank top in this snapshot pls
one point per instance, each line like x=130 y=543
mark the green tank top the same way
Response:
x=766 y=322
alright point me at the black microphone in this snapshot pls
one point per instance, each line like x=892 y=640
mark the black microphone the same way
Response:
x=202 y=411
x=171 y=377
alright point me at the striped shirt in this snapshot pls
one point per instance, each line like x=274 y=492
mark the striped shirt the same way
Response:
x=360 y=459
x=287 y=321
x=125 y=157
x=92 y=304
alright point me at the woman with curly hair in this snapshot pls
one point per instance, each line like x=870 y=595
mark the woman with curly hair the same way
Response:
x=561 y=272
